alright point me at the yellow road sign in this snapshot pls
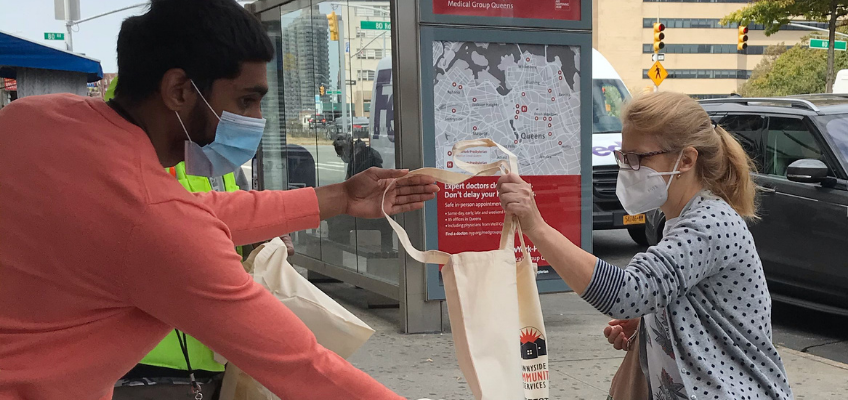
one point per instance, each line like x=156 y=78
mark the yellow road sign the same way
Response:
x=657 y=73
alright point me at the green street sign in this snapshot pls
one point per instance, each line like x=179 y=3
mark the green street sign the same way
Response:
x=334 y=92
x=54 y=36
x=375 y=25
x=823 y=44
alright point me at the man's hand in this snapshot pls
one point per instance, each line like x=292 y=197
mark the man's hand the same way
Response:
x=619 y=331
x=365 y=192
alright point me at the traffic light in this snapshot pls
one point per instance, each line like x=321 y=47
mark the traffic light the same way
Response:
x=742 y=41
x=333 y=20
x=658 y=37
x=321 y=90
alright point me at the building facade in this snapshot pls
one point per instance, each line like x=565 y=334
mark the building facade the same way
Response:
x=367 y=46
x=700 y=53
x=305 y=68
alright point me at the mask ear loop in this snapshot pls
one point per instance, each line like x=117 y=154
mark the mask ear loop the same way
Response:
x=674 y=171
x=204 y=99
x=183 y=125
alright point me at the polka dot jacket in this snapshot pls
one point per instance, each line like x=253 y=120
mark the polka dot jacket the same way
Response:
x=707 y=276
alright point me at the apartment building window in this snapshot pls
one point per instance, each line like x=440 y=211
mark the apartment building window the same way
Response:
x=368 y=33
x=365 y=75
x=371 y=54
x=648 y=48
x=708 y=96
x=372 y=11
x=714 y=23
x=704 y=74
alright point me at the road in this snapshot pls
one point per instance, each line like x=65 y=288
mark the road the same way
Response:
x=331 y=168
x=797 y=328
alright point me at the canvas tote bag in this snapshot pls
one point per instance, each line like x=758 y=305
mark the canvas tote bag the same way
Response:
x=493 y=302
x=334 y=327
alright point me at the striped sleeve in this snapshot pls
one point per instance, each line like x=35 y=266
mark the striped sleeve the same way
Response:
x=607 y=281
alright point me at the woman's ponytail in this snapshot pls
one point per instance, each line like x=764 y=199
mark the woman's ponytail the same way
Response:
x=735 y=184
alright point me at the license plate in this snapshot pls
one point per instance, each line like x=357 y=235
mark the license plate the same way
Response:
x=634 y=219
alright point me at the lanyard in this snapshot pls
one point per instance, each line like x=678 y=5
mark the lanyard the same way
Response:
x=195 y=386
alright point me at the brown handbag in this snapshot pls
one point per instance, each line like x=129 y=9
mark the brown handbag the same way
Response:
x=629 y=382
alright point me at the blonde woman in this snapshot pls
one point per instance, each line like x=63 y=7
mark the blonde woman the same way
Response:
x=700 y=293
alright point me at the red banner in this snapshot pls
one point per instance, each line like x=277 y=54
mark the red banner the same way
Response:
x=566 y=10
x=10 y=84
x=471 y=218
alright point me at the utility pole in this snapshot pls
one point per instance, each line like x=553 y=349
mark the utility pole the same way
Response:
x=69 y=11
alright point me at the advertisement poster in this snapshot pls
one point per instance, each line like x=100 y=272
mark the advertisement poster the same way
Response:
x=564 y=10
x=526 y=98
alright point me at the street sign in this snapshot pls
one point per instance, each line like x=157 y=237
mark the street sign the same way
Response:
x=658 y=57
x=375 y=25
x=350 y=82
x=823 y=44
x=334 y=92
x=657 y=73
x=54 y=36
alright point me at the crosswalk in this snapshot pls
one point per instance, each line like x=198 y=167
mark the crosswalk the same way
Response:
x=337 y=166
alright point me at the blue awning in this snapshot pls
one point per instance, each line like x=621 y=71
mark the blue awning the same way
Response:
x=17 y=52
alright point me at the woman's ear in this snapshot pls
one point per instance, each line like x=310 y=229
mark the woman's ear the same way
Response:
x=689 y=159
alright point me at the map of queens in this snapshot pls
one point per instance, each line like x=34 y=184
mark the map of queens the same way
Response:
x=525 y=97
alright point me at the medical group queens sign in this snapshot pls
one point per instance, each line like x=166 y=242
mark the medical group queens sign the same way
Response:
x=566 y=10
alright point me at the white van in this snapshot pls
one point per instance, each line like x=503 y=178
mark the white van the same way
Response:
x=608 y=95
x=840 y=85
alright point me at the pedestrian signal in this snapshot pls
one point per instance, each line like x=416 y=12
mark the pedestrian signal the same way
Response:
x=658 y=37
x=742 y=41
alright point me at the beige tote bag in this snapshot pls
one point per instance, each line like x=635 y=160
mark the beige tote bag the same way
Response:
x=334 y=327
x=493 y=302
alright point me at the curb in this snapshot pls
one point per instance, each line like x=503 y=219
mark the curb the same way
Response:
x=812 y=357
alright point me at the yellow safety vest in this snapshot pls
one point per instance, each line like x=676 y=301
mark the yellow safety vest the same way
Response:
x=168 y=353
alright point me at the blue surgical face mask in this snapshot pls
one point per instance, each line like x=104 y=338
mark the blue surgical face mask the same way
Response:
x=236 y=140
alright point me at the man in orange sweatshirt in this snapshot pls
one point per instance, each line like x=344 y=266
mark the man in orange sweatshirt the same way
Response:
x=95 y=272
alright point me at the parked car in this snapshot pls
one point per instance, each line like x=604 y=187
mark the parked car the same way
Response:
x=800 y=147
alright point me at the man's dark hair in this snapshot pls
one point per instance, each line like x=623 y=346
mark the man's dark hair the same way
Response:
x=208 y=39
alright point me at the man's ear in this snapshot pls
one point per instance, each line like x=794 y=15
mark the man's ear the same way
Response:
x=176 y=90
x=689 y=159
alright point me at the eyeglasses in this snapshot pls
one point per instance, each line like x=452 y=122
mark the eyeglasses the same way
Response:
x=633 y=160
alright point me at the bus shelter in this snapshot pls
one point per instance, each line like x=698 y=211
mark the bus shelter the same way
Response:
x=394 y=84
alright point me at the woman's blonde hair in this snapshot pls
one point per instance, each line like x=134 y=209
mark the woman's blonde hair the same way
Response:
x=677 y=121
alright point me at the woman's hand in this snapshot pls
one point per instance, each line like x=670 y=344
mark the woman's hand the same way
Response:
x=619 y=331
x=518 y=199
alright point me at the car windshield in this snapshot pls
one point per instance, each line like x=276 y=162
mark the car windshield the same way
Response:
x=836 y=126
x=607 y=97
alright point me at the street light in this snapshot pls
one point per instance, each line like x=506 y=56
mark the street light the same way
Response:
x=814 y=28
x=69 y=11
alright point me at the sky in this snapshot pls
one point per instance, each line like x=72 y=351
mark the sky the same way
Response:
x=30 y=19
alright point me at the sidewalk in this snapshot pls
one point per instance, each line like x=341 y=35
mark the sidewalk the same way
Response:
x=582 y=363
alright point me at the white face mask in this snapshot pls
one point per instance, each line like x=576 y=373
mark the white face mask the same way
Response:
x=644 y=190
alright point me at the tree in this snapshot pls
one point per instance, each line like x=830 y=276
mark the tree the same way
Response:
x=775 y=14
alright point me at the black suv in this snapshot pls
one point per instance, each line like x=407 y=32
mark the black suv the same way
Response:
x=800 y=147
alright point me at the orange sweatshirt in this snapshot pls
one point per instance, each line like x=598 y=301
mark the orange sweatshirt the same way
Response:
x=102 y=253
